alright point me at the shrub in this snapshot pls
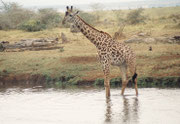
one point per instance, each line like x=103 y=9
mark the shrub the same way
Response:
x=120 y=17
x=97 y=7
x=61 y=49
x=99 y=81
x=49 y=17
x=32 y=25
x=135 y=16
x=175 y=16
x=11 y=15
x=89 y=18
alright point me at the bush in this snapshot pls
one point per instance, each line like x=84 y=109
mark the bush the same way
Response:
x=49 y=17
x=97 y=7
x=174 y=16
x=135 y=17
x=120 y=17
x=99 y=81
x=11 y=15
x=177 y=26
x=14 y=16
x=32 y=25
x=89 y=18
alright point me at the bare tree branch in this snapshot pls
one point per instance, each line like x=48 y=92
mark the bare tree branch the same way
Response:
x=4 y=4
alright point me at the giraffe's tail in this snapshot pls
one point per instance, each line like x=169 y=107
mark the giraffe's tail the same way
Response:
x=134 y=77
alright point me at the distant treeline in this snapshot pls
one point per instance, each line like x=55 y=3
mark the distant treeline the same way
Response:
x=14 y=16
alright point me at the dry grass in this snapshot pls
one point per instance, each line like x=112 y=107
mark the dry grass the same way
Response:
x=82 y=61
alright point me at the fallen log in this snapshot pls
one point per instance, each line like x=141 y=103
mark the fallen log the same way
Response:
x=30 y=44
x=34 y=49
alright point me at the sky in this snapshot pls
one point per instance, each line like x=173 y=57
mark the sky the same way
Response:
x=62 y=2
x=85 y=4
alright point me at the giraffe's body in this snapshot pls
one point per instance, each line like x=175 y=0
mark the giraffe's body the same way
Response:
x=110 y=52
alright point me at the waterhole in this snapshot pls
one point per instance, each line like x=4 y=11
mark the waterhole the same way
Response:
x=88 y=105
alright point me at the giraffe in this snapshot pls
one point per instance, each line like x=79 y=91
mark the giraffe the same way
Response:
x=110 y=51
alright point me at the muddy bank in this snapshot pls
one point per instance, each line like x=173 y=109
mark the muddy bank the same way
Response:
x=45 y=80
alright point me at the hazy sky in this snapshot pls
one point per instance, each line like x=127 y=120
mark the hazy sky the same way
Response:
x=61 y=2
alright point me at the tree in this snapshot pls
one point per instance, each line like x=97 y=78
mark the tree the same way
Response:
x=97 y=7
x=12 y=14
x=135 y=16
x=49 y=17
x=119 y=17
x=88 y=17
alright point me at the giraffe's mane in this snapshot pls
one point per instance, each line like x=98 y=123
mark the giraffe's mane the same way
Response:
x=93 y=27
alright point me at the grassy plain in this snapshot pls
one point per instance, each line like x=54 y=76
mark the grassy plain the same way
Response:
x=80 y=58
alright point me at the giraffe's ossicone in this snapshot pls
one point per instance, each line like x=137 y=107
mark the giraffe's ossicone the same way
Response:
x=110 y=51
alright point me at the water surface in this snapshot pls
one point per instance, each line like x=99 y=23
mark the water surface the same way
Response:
x=88 y=106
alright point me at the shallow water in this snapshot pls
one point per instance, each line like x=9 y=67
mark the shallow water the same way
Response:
x=88 y=106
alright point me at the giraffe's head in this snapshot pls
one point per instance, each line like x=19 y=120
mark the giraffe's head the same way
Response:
x=69 y=15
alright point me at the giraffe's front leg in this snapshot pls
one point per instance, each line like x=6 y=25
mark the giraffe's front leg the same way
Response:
x=107 y=79
x=104 y=60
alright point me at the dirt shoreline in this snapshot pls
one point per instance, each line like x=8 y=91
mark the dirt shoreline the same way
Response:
x=38 y=79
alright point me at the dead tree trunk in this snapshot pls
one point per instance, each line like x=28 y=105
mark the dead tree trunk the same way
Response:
x=64 y=38
x=119 y=34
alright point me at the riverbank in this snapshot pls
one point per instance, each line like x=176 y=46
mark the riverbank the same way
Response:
x=77 y=66
x=45 y=80
x=82 y=65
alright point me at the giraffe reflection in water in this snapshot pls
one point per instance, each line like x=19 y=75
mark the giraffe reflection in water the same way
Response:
x=108 y=114
x=128 y=113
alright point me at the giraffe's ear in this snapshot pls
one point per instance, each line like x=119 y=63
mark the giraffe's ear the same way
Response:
x=71 y=8
x=67 y=7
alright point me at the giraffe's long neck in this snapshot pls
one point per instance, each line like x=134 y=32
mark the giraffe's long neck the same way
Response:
x=95 y=36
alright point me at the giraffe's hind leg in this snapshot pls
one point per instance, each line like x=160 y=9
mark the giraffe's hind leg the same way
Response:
x=136 y=88
x=134 y=76
x=134 y=79
x=123 y=69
